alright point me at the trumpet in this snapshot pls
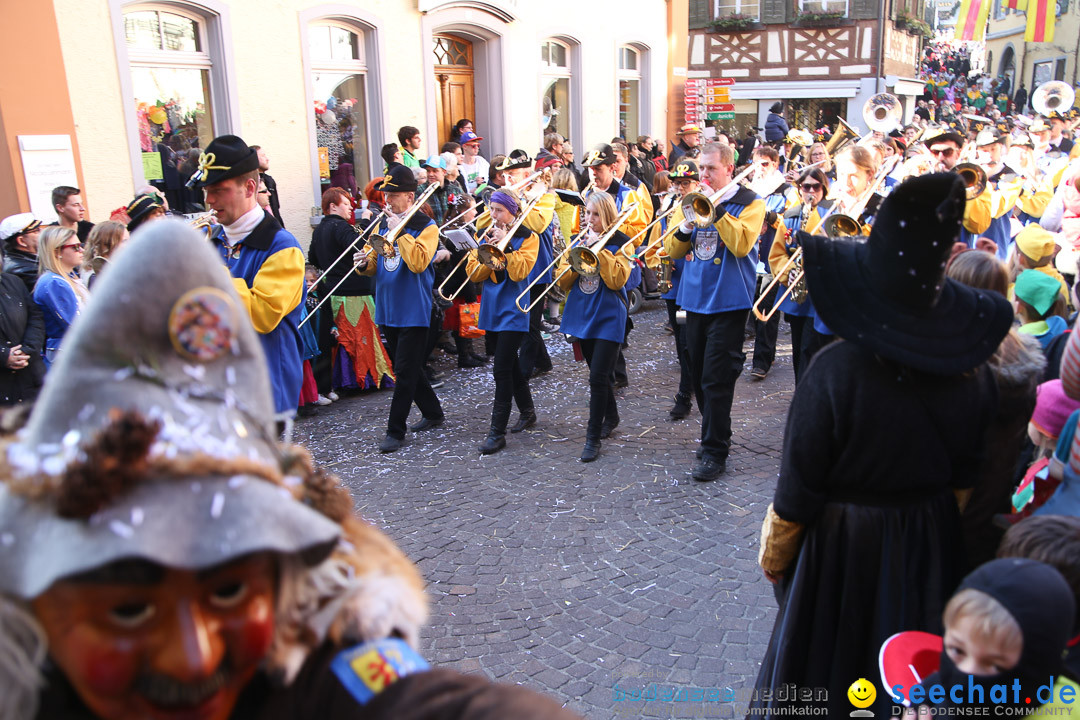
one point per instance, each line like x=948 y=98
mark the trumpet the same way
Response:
x=701 y=208
x=584 y=260
x=204 y=223
x=386 y=245
x=362 y=235
x=974 y=178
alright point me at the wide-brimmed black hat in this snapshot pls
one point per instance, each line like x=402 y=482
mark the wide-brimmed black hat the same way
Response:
x=890 y=293
x=515 y=160
x=226 y=157
x=399 y=178
x=601 y=154
x=140 y=208
x=944 y=133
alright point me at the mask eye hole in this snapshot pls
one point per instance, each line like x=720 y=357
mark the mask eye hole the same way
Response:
x=131 y=615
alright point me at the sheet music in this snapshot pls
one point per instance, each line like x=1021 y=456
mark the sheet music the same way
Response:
x=460 y=239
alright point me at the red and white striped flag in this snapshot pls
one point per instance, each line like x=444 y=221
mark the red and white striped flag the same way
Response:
x=971 y=22
x=1040 y=21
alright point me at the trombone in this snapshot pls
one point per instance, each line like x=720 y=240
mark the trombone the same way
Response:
x=588 y=262
x=701 y=208
x=386 y=245
x=363 y=235
x=492 y=255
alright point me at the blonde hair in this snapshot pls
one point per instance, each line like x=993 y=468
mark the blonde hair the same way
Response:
x=825 y=166
x=604 y=205
x=990 y=621
x=52 y=239
x=564 y=180
x=862 y=158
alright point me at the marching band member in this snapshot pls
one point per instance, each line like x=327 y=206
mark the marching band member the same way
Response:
x=533 y=355
x=770 y=185
x=717 y=291
x=265 y=260
x=1035 y=199
x=403 y=300
x=685 y=177
x=595 y=314
x=945 y=146
x=990 y=148
x=500 y=317
x=855 y=172
x=805 y=339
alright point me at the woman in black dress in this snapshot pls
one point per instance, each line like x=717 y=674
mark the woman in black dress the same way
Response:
x=885 y=435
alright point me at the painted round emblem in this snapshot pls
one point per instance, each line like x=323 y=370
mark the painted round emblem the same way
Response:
x=705 y=244
x=391 y=264
x=588 y=284
x=203 y=324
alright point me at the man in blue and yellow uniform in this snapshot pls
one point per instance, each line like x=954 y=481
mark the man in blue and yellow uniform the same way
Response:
x=403 y=285
x=717 y=291
x=265 y=260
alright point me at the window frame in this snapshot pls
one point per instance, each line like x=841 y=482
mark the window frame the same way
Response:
x=847 y=5
x=643 y=76
x=739 y=10
x=571 y=72
x=213 y=22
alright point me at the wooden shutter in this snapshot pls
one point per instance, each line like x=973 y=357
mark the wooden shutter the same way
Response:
x=774 y=11
x=700 y=13
x=863 y=9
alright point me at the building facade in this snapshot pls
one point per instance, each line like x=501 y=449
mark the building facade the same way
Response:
x=138 y=87
x=1007 y=55
x=823 y=58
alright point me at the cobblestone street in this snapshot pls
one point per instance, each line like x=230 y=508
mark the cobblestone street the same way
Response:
x=582 y=581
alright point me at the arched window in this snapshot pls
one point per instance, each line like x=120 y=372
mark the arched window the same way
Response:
x=339 y=77
x=555 y=97
x=629 y=76
x=172 y=85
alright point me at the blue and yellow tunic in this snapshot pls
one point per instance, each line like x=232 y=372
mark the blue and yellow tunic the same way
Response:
x=596 y=307
x=268 y=274
x=403 y=284
x=498 y=311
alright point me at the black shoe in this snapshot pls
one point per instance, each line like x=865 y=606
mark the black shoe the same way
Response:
x=608 y=427
x=540 y=370
x=428 y=424
x=680 y=411
x=470 y=361
x=699 y=453
x=759 y=373
x=707 y=470
x=482 y=359
x=390 y=444
x=447 y=348
x=591 y=451
x=493 y=443
x=621 y=383
x=526 y=419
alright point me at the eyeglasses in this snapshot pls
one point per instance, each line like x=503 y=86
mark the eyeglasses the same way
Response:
x=264 y=192
x=77 y=246
x=811 y=187
x=943 y=152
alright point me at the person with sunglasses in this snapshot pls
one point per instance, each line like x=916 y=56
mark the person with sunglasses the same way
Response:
x=806 y=337
x=59 y=292
x=945 y=146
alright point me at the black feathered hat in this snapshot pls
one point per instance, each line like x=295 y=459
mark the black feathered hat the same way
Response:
x=227 y=156
x=399 y=179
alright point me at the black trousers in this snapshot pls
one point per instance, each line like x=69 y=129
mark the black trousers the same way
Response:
x=322 y=366
x=686 y=383
x=510 y=382
x=434 y=331
x=406 y=346
x=619 y=372
x=714 y=344
x=601 y=356
x=534 y=353
x=765 y=333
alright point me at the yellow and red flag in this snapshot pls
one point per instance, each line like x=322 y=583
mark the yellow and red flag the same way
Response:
x=971 y=22
x=1016 y=4
x=1040 y=21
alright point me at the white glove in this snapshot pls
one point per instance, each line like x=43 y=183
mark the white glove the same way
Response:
x=687 y=227
x=442 y=255
x=360 y=258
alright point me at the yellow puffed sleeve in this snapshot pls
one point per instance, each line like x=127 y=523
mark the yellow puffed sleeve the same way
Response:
x=740 y=234
x=417 y=252
x=1034 y=204
x=977 y=213
x=636 y=221
x=778 y=255
x=540 y=216
x=614 y=270
x=520 y=262
x=277 y=290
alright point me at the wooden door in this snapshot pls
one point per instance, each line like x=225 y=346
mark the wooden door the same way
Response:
x=454 y=93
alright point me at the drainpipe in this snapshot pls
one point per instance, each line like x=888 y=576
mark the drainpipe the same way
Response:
x=880 y=79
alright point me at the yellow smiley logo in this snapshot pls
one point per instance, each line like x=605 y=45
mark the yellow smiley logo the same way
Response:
x=862 y=693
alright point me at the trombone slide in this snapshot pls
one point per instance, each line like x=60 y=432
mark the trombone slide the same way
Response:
x=793 y=280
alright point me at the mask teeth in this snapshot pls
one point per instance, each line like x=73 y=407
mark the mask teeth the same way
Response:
x=166 y=692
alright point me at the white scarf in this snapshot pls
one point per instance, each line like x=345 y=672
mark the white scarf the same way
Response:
x=243 y=226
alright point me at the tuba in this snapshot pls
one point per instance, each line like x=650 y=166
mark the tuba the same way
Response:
x=1052 y=97
x=844 y=134
x=883 y=113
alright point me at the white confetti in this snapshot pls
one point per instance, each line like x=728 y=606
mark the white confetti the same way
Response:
x=86 y=413
x=230 y=375
x=217 y=505
x=137 y=516
x=7 y=539
x=196 y=372
x=121 y=529
x=236 y=481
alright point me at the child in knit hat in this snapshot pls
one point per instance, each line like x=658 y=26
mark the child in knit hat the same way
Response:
x=1035 y=249
x=1037 y=294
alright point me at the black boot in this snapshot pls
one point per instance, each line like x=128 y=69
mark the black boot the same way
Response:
x=610 y=423
x=591 y=450
x=681 y=409
x=526 y=419
x=465 y=356
x=496 y=439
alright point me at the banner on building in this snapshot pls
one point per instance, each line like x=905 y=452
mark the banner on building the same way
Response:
x=1040 y=21
x=971 y=22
